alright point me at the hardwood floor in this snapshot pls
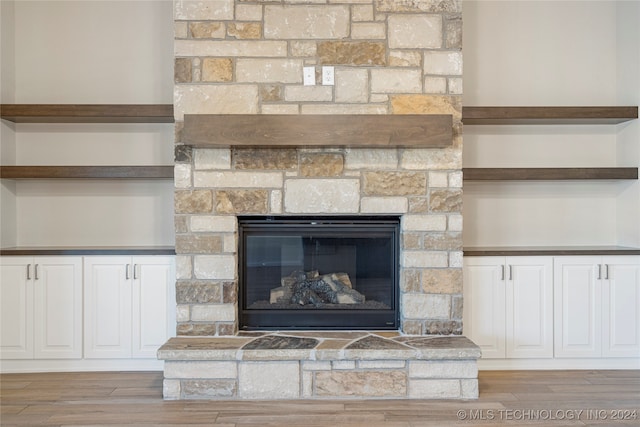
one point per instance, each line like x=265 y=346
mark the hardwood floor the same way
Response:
x=536 y=398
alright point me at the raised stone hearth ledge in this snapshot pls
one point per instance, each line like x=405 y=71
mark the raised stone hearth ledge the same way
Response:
x=320 y=365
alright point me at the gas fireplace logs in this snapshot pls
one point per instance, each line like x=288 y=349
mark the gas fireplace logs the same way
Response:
x=310 y=287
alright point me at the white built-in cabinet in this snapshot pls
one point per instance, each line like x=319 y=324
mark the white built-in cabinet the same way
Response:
x=41 y=307
x=509 y=306
x=128 y=305
x=597 y=307
x=560 y=307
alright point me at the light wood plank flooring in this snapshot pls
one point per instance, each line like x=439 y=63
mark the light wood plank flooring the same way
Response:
x=536 y=398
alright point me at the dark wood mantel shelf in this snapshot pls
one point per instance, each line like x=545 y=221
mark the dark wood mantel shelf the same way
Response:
x=87 y=113
x=547 y=115
x=86 y=172
x=542 y=174
x=347 y=130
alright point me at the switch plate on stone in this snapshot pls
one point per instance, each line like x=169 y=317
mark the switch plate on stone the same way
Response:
x=328 y=75
x=309 y=76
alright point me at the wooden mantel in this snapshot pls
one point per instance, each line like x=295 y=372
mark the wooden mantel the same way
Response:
x=348 y=130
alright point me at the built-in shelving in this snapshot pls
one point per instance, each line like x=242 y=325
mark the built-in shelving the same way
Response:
x=87 y=113
x=87 y=250
x=542 y=174
x=549 y=250
x=547 y=115
x=86 y=172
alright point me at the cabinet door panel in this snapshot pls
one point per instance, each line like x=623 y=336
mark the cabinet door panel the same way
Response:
x=107 y=307
x=16 y=309
x=484 y=312
x=621 y=307
x=153 y=304
x=529 y=322
x=578 y=311
x=58 y=308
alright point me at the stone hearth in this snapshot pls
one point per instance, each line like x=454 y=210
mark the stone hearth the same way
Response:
x=320 y=365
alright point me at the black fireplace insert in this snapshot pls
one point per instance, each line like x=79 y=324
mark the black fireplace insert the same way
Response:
x=318 y=272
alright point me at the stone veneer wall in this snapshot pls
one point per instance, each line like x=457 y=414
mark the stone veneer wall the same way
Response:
x=247 y=57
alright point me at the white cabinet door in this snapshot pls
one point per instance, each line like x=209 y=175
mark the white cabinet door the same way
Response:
x=529 y=307
x=621 y=307
x=107 y=301
x=484 y=308
x=57 y=283
x=578 y=306
x=16 y=308
x=153 y=304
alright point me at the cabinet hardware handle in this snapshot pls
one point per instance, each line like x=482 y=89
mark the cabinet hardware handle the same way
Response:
x=28 y=271
x=599 y=271
x=510 y=272
x=35 y=271
x=502 y=268
x=135 y=275
x=126 y=271
x=606 y=271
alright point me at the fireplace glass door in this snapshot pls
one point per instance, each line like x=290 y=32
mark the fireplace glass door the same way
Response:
x=318 y=273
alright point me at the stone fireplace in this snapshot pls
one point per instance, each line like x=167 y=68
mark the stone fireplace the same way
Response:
x=390 y=57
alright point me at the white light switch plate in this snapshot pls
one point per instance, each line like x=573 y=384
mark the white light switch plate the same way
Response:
x=309 y=76
x=328 y=76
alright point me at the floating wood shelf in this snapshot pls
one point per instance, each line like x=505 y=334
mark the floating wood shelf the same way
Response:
x=86 y=172
x=88 y=250
x=547 y=115
x=549 y=250
x=87 y=113
x=524 y=174
x=268 y=130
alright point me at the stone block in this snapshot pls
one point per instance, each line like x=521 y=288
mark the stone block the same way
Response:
x=364 y=158
x=443 y=63
x=303 y=48
x=198 y=244
x=443 y=327
x=455 y=85
x=319 y=196
x=193 y=201
x=453 y=32
x=381 y=205
x=362 y=12
x=421 y=158
x=269 y=70
x=411 y=241
x=183 y=267
x=208 y=389
x=229 y=292
x=344 y=109
x=321 y=164
x=457 y=306
x=420 y=306
x=352 y=53
x=417 y=31
x=430 y=6
x=275 y=204
x=343 y=365
x=361 y=384
x=449 y=241
x=435 y=85
x=196 y=329
x=248 y=12
x=442 y=281
x=455 y=179
x=180 y=224
x=207 y=30
x=200 y=369
x=244 y=30
x=469 y=388
x=381 y=364
x=412 y=327
x=171 y=389
x=213 y=223
x=217 y=70
x=410 y=280
x=279 y=109
x=316 y=365
x=198 y=292
x=424 y=223
x=368 y=31
x=182 y=70
x=203 y=9
x=438 y=179
x=394 y=183
x=271 y=93
x=212 y=158
x=242 y=202
x=230 y=99
x=213 y=313
x=215 y=267
x=306 y=22
x=445 y=200
x=182 y=153
x=266 y=159
x=183 y=314
x=443 y=369
x=405 y=58
x=424 y=259
x=180 y=30
x=434 y=389
x=231 y=48
x=428 y=104
x=455 y=223
x=269 y=380
x=455 y=259
x=182 y=175
x=352 y=85
x=235 y=179
x=308 y=93
x=396 y=80
x=227 y=329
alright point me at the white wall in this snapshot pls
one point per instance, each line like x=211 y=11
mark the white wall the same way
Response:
x=98 y=52
x=543 y=53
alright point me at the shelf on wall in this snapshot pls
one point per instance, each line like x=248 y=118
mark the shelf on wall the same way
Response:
x=542 y=174
x=548 y=250
x=86 y=172
x=348 y=130
x=87 y=113
x=547 y=115
x=87 y=250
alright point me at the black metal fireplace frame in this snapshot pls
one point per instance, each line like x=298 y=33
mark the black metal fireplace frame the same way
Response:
x=271 y=319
